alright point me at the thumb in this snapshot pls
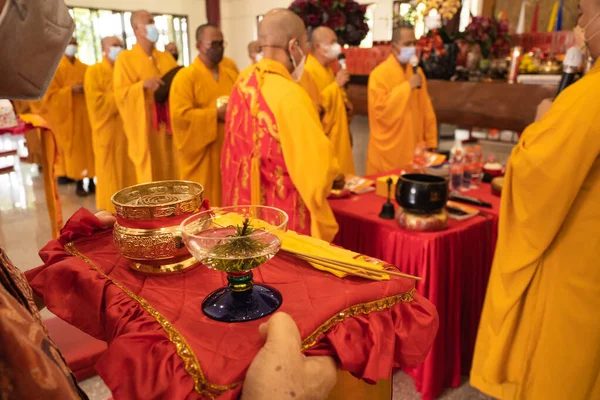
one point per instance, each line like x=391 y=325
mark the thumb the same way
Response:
x=281 y=331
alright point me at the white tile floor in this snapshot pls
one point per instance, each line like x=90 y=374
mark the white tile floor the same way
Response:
x=25 y=228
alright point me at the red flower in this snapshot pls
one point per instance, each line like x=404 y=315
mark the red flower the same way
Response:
x=326 y=4
x=352 y=7
x=312 y=20
x=336 y=20
x=362 y=8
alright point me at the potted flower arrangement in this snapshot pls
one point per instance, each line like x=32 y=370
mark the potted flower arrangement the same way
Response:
x=491 y=36
x=346 y=17
x=439 y=52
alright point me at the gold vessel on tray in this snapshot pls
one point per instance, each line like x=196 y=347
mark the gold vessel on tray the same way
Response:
x=147 y=228
x=221 y=101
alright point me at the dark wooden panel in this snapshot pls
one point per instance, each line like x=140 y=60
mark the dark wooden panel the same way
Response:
x=467 y=104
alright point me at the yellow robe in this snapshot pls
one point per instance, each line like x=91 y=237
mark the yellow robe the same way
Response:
x=399 y=117
x=197 y=134
x=539 y=335
x=114 y=169
x=335 y=121
x=150 y=149
x=67 y=116
x=308 y=84
x=33 y=138
x=229 y=63
x=309 y=156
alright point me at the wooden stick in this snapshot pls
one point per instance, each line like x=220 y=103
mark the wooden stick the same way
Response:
x=352 y=264
x=377 y=278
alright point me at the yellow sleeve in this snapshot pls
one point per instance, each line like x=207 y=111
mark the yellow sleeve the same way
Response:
x=131 y=102
x=385 y=103
x=335 y=124
x=309 y=157
x=194 y=128
x=431 y=127
x=100 y=102
x=58 y=104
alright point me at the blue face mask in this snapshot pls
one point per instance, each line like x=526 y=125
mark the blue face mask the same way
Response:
x=113 y=52
x=152 y=33
x=406 y=53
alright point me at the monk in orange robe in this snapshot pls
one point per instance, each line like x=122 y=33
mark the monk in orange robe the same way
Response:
x=114 y=168
x=275 y=150
x=65 y=111
x=137 y=75
x=197 y=119
x=173 y=50
x=539 y=335
x=400 y=110
x=325 y=51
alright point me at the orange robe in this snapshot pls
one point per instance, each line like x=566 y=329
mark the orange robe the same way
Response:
x=335 y=121
x=276 y=152
x=197 y=134
x=229 y=63
x=67 y=116
x=150 y=148
x=399 y=117
x=539 y=335
x=114 y=169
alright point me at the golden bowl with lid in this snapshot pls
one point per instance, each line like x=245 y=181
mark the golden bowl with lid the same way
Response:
x=148 y=218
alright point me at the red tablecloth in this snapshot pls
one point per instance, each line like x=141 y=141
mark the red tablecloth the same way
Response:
x=160 y=345
x=454 y=264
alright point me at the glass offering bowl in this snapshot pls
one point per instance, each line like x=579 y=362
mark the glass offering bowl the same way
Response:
x=236 y=240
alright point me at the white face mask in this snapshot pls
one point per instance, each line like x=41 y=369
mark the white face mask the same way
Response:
x=152 y=33
x=71 y=50
x=298 y=67
x=406 y=54
x=258 y=57
x=33 y=36
x=333 y=51
x=582 y=42
x=113 y=52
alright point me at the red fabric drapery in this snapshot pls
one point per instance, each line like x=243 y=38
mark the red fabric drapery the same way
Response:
x=454 y=264
x=87 y=283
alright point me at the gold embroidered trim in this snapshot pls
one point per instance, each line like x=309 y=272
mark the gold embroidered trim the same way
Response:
x=353 y=311
x=184 y=350
x=187 y=355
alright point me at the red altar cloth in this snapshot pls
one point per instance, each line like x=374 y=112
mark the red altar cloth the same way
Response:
x=154 y=324
x=454 y=264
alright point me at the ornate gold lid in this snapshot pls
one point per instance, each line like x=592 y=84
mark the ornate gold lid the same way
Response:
x=158 y=200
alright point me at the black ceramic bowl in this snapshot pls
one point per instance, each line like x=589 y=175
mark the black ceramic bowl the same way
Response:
x=422 y=194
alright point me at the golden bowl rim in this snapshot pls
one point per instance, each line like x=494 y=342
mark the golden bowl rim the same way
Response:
x=115 y=202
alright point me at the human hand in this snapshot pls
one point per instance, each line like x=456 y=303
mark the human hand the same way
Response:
x=153 y=84
x=342 y=77
x=77 y=88
x=543 y=108
x=107 y=219
x=415 y=81
x=222 y=112
x=281 y=371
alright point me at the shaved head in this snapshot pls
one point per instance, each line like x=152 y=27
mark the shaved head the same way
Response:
x=279 y=26
x=202 y=29
x=253 y=46
x=171 y=47
x=141 y=17
x=322 y=36
x=403 y=31
x=109 y=42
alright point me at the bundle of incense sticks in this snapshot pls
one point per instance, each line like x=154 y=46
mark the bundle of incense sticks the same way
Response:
x=350 y=268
